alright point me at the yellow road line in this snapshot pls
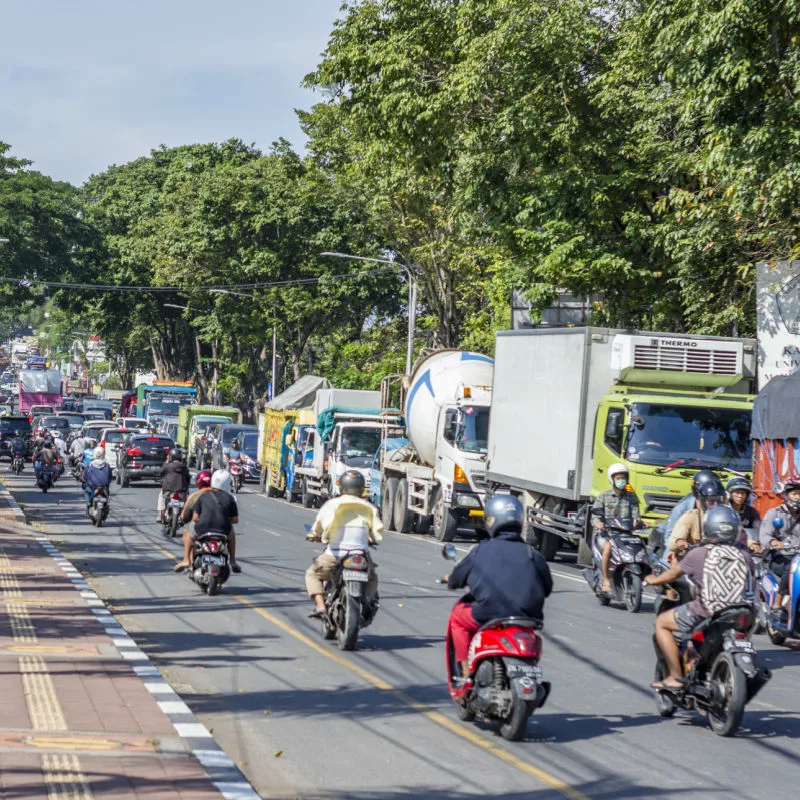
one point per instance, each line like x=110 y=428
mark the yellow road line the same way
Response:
x=468 y=734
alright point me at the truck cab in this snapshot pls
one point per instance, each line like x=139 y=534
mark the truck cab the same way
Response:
x=352 y=446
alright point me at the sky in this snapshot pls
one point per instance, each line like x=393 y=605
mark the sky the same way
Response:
x=89 y=83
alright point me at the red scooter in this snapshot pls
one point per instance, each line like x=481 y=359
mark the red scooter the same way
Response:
x=504 y=680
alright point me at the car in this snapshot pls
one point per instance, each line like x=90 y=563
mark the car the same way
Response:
x=223 y=436
x=9 y=425
x=74 y=419
x=69 y=404
x=96 y=414
x=142 y=457
x=132 y=423
x=112 y=441
x=38 y=411
x=51 y=422
x=387 y=446
x=92 y=428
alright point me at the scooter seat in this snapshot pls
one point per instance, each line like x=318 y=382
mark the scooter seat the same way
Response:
x=520 y=622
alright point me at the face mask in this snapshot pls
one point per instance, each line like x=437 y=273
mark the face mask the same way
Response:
x=621 y=483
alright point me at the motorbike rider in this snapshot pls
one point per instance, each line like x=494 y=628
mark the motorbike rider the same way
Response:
x=214 y=510
x=202 y=480
x=739 y=489
x=345 y=523
x=506 y=577
x=88 y=453
x=97 y=475
x=44 y=457
x=689 y=529
x=234 y=451
x=774 y=540
x=720 y=527
x=174 y=478
x=61 y=445
x=689 y=501
x=17 y=446
x=618 y=502
x=76 y=449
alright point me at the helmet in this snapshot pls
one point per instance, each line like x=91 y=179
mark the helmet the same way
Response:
x=99 y=454
x=738 y=483
x=203 y=479
x=221 y=479
x=352 y=482
x=235 y=444
x=176 y=455
x=503 y=512
x=711 y=494
x=700 y=477
x=792 y=482
x=18 y=435
x=616 y=469
x=721 y=525
x=92 y=443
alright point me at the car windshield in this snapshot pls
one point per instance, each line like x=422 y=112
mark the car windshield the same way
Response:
x=248 y=441
x=473 y=430
x=73 y=419
x=13 y=425
x=114 y=436
x=359 y=446
x=167 y=406
x=229 y=434
x=55 y=422
x=662 y=434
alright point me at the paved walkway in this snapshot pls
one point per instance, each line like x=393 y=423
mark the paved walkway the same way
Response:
x=83 y=713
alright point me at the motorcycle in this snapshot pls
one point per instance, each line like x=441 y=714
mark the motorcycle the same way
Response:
x=17 y=464
x=77 y=468
x=250 y=469
x=237 y=474
x=44 y=480
x=767 y=587
x=211 y=567
x=59 y=470
x=630 y=562
x=172 y=513
x=504 y=679
x=98 y=506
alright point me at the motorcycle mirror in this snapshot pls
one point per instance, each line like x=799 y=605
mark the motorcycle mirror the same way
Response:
x=777 y=523
x=449 y=552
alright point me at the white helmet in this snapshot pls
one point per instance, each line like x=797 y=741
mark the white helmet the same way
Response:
x=221 y=479
x=616 y=469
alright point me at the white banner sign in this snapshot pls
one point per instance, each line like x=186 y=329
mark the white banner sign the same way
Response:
x=778 y=307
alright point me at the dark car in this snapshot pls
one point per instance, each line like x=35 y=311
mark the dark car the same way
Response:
x=8 y=429
x=142 y=457
x=51 y=423
x=223 y=437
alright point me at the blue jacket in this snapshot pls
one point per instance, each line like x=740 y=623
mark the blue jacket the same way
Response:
x=507 y=578
x=97 y=476
x=687 y=504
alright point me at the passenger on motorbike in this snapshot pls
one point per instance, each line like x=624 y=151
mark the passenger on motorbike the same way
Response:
x=61 y=445
x=689 y=501
x=774 y=540
x=345 y=523
x=17 y=446
x=689 y=529
x=76 y=449
x=202 y=480
x=614 y=503
x=45 y=457
x=97 y=474
x=739 y=489
x=720 y=527
x=214 y=510
x=88 y=453
x=174 y=478
x=506 y=577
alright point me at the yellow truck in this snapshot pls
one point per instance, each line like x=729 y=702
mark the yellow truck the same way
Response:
x=283 y=434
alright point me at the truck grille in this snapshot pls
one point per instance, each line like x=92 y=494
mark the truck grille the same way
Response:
x=662 y=503
x=479 y=481
x=685 y=359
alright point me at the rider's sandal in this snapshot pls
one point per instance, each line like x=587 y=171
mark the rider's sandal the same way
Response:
x=316 y=614
x=660 y=686
x=180 y=567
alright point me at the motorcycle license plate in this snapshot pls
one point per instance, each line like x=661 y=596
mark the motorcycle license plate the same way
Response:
x=100 y=500
x=215 y=559
x=355 y=575
x=742 y=646
x=175 y=504
x=524 y=670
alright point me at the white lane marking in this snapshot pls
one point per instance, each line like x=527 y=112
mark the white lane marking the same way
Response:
x=411 y=585
x=191 y=730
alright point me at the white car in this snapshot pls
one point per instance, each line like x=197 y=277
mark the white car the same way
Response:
x=111 y=441
x=132 y=423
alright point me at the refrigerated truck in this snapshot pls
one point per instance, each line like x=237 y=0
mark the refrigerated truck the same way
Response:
x=569 y=402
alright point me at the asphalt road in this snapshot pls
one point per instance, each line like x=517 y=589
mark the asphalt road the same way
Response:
x=305 y=720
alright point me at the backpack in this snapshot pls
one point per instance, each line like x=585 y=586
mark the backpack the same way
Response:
x=726 y=577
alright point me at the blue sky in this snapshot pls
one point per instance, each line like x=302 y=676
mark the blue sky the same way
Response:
x=89 y=83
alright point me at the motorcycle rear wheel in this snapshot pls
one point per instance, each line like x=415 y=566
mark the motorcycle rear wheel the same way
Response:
x=173 y=524
x=513 y=728
x=213 y=587
x=347 y=635
x=633 y=592
x=728 y=679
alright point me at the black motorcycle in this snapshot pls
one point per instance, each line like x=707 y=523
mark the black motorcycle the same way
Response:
x=44 y=480
x=17 y=464
x=172 y=513
x=719 y=666
x=98 y=506
x=211 y=567
x=629 y=564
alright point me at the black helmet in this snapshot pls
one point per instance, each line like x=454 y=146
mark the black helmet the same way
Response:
x=352 y=483
x=738 y=483
x=721 y=525
x=176 y=455
x=503 y=512
x=711 y=493
x=792 y=482
x=700 y=477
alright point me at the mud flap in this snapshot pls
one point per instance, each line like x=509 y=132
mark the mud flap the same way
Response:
x=353 y=588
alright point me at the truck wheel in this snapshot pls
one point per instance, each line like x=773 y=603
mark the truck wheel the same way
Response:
x=403 y=518
x=262 y=482
x=445 y=524
x=271 y=490
x=422 y=524
x=388 y=493
x=546 y=543
x=307 y=498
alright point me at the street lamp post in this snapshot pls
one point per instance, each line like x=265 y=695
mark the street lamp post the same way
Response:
x=412 y=298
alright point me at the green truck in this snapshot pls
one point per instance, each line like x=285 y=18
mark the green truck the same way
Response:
x=193 y=421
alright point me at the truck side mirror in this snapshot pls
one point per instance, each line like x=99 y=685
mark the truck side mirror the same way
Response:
x=614 y=424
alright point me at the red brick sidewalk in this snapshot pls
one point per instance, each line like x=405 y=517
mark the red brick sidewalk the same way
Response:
x=77 y=719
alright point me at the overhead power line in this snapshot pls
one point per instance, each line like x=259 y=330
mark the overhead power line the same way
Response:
x=104 y=287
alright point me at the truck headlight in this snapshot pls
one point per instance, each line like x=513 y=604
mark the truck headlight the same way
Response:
x=466 y=500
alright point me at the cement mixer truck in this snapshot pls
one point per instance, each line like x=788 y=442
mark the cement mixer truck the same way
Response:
x=440 y=476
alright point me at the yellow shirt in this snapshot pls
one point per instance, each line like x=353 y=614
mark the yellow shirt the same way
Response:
x=347 y=523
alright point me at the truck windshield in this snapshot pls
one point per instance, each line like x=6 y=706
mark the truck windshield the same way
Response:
x=167 y=406
x=473 y=432
x=662 y=434
x=359 y=446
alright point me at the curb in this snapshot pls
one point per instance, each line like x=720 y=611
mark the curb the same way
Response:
x=224 y=774
x=13 y=513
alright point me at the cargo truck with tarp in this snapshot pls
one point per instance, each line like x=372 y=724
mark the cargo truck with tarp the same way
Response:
x=192 y=423
x=40 y=387
x=284 y=428
x=163 y=399
x=569 y=402
x=776 y=439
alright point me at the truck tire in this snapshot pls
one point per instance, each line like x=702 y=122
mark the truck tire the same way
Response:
x=403 y=517
x=422 y=524
x=546 y=543
x=388 y=493
x=445 y=524
x=262 y=482
x=271 y=490
x=307 y=499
